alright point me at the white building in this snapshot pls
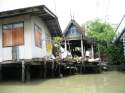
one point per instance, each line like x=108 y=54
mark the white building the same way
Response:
x=27 y=33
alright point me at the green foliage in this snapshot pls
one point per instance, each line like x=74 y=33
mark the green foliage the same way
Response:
x=115 y=52
x=57 y=40
x=100 y=30
x=103 y=33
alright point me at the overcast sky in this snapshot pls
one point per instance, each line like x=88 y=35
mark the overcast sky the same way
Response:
x=83 y=10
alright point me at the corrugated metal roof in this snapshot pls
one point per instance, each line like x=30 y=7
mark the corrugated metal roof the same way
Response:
x=42 y=11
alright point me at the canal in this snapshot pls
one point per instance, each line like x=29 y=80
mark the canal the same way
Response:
x=107 y=82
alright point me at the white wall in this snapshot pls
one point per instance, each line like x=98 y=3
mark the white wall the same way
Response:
x=36 y=51
x=28 y=50
x=24 y=50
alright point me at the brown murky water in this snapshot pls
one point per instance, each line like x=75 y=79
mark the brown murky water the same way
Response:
x=107 y=82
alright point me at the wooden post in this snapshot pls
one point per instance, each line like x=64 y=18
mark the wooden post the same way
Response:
x=124 y=45
x=59 y=68
x=41 y=70
x=82 y=51
x=82 y=54
x=52 y=68
x=60 y=74
x=23 y=71
x=92 y=51
x=45 y=70
x=28 y=73
x=15 y=53
x=0 y=72
x=99 y=53
x=65 y=45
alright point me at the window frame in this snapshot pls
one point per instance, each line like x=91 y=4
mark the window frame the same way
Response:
x=12 y=35
x=40 y=30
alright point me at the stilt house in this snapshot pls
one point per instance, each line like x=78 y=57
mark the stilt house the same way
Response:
x=27 y=33
x=120 y=33
x=76 y=41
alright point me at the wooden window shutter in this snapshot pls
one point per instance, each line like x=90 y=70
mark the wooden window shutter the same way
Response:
x=21 y=36
x=38 y=38
x=7 y=38
x=38 y=35
x=18 y=34
x=13 y=35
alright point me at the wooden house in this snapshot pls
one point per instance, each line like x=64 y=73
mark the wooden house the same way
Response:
x=76 y=41
x=120 y=33
x=27 y=33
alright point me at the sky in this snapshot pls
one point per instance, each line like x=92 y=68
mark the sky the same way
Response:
x=81 y=10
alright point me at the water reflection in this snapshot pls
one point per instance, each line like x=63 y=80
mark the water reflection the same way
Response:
x=108 y=82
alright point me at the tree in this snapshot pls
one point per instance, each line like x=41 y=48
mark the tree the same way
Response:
x=100 y=30
x=56 y=47
x=103 y=34
x=115 y=52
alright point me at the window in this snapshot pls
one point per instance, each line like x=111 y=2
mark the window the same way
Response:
x=73 y=30
x=13 y=34
x=38 y=35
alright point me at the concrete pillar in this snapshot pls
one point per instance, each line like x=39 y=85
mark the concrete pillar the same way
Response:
x=23 y=71
x=92 y=51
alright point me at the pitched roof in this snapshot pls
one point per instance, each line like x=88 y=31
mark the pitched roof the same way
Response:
x=120 y=30
x=79 y=29
x=43 y=12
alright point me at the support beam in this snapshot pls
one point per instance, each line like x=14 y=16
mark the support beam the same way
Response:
x=99 y=53
x=45 y=69
x=92 y=51
x=23 y=71
x=124 y=44
x=65 y=45
x=27 y=73
x=82 y=54
x=53 y=68
x=41 y=69
x=82 y=51
x=0 y=72
x=15 y=53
